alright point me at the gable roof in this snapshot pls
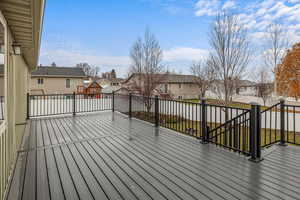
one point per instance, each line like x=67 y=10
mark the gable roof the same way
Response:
x=94 y=84
x=58 y=72
x=170 y=78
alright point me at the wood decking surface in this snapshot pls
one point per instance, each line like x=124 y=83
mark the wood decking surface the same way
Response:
x=107 y=156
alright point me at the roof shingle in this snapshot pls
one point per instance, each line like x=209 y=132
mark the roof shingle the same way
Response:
x=59 y=71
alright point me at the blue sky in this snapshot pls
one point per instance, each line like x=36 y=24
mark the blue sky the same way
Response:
x=102 y=32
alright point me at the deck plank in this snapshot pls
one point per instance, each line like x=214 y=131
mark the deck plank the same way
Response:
x=43 y=191
x=29 y=190
x=106 y=156
x=17 y=183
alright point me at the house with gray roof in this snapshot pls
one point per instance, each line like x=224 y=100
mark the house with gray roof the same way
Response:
x=56 y=80
x=176 y=86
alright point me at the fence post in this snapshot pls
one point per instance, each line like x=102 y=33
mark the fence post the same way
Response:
x=255 y=133
x=74 y=103
x=130 y=105
x=113 y=101
x=28 y=105
x=205 y=136
x=282 y=125
x=156 y=111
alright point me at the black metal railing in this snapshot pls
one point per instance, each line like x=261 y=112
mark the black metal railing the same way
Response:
x=58 y=104
x=242 y=130
x=234 y=134
x=2 y=107
x=291 y=125
x=270 y=125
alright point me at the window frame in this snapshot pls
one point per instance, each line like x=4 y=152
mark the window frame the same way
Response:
x=40 y=81
x=68 y=83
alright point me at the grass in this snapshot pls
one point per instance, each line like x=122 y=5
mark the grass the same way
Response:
x=231 y=104
x=194 y=129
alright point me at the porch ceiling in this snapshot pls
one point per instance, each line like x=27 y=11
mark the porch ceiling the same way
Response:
x=25 y=19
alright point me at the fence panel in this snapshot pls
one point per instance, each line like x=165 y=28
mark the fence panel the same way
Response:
x=121 y=103
x=270 y=125
x=99 y=102
x=292 y=124
x=180 y=116
x=234 y=134
x=58 y=104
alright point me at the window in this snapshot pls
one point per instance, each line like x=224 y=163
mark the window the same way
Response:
x=180 y=97
x=68 y=83
x=40 y=81
x=166 y=88
x=179 y=85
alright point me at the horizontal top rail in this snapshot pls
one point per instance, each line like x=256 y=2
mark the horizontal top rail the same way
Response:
x=66 y=94
x=294 y=106
x=270 y=108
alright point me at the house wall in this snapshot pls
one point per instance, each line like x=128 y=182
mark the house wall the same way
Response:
x=184 y=90
x=176 y=90
x=54 y=85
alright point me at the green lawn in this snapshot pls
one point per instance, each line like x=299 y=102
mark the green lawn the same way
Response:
x=218 y=102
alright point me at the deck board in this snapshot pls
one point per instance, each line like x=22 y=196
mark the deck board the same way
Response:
x=107 y=156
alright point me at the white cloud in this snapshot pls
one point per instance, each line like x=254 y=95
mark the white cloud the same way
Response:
x=207 y=7
x=184 y=54
x=258 y=15
x=229 y=5
x=69 y=58
x=294 y=1
x=212 y=7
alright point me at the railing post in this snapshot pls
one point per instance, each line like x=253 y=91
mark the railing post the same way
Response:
x=28 y=105
x=74 y=103
x=255 y=133
x=156 y=111
x=113 y=101
x=205 y=137
x=282 y=125
x=130 y=105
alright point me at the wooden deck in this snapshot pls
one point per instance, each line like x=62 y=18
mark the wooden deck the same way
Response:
x=107 y=156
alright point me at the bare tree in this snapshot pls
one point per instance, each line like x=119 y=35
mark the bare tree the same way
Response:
x=275 y=45
x=229 y=54
x=264 y=85
x=146 y=56
x=91 y=71
x=205 y=75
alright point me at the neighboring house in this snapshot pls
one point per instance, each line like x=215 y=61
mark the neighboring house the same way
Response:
x=89 y=89
x=111 y=89
x=56 y=80
x=247 y=88
x=109 y=79
x=175 y=86
x=105 y=82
